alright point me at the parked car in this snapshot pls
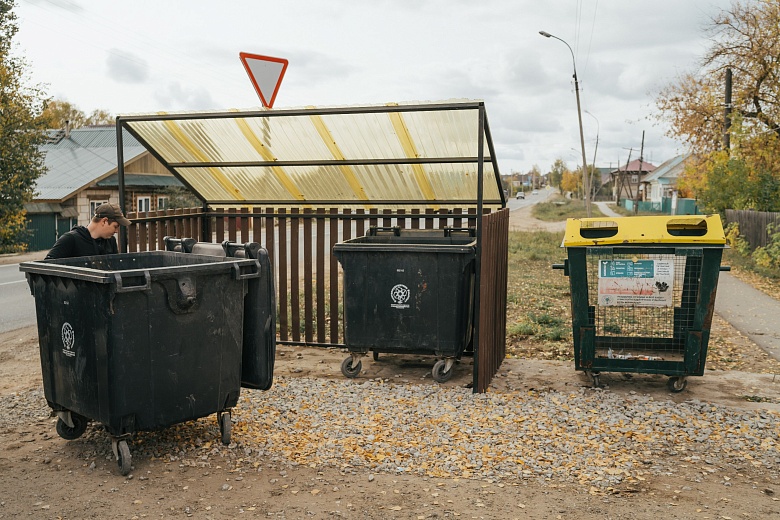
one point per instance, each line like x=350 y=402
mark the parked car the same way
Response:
x=520 y=195
x=535 y=192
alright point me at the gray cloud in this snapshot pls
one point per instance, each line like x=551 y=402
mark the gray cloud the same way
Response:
x=177 y=97
x=125 y=67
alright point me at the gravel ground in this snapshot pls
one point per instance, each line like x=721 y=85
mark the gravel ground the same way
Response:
x=588 y=436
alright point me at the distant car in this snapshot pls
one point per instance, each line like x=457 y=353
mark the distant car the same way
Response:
x=535 y=192
x=520 y=195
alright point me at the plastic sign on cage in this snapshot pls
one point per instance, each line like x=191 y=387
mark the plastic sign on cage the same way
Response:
x=266 y=74
x=636 y=283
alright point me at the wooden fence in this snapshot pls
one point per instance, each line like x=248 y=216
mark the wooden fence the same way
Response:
x=754 y=225
x=300 y=243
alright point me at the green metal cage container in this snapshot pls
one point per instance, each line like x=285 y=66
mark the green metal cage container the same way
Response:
x=643 y=293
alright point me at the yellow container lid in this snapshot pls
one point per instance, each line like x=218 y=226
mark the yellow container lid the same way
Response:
x=681 y=229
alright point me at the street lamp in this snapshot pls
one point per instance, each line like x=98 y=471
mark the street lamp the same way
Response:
x=595 y=151
x=585 y=175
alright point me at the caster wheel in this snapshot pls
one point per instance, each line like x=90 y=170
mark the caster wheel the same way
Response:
x=79 y=427
x=124 y=460
x=225 y=425
x=676 y=384
x=439 y=374
x=350 y=370
x=375 y=355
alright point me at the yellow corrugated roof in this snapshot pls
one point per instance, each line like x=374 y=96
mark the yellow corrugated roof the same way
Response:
x=403 y=155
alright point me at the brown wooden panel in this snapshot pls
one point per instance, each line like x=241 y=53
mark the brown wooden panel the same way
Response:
x=308 y=268
x=220 y=228
x=283 y=266
x=320 y=276
x=243 y=225
x=360 y=224
x=295 y=275
x=333 y=285
x=415 y=221
x=232 y=225
x=429 y=221
x=257 y=227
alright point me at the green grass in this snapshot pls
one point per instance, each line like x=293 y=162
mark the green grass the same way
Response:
x=560 y=208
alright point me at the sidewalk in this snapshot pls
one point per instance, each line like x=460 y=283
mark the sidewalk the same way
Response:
x=747 y=309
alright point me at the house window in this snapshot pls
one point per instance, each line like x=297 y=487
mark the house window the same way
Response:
x=144 y=204
x=93 y=206
x=634 y=179
x=162 y=203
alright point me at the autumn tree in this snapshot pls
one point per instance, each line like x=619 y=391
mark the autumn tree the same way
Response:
x=744 y=38
x=21 y=133
x=556 y=174
x=58 y=112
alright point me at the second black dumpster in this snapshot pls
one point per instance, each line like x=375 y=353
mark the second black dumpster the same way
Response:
x=408 y=291
x=140 y=341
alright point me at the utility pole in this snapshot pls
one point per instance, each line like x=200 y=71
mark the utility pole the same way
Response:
x=639 y=177
x=727 y=114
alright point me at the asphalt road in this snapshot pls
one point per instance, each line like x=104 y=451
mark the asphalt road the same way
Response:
x=17 y=305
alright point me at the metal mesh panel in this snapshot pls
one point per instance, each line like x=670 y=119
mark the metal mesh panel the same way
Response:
x=642 y=330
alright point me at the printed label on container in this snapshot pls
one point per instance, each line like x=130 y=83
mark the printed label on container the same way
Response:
x=399 y=294
x=68 y=339
x=641 y=283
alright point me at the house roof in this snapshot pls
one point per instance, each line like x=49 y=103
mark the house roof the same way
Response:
x=75 y=161
x=140 y=180
x=391 y=155
x=669 y=169
x=633 y=166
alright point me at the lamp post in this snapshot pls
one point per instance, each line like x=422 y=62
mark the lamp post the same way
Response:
x=595 y=151
x=585 y=175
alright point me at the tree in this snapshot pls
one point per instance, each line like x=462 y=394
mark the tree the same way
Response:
x=746 y=39
x=556 y=174
x=59 y=111
x=21 y=133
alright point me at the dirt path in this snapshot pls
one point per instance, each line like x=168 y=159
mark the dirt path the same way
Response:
x=44 y=476
x=521 y=220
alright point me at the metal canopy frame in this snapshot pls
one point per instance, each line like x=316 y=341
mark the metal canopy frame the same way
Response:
x=483 y=137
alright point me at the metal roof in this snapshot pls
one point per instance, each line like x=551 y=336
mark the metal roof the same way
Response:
x=84 y=156
x=390 y=155
x=669 y=169
x=141 y=180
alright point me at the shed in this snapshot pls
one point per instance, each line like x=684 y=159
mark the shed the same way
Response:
x=300 y=180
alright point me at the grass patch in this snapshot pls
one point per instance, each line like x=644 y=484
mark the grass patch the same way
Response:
x=559 y=208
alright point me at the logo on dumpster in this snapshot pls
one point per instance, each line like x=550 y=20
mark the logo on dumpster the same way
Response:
x=68 y=338
x=400 y=295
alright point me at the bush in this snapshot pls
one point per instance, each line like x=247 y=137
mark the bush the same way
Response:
x=769 y=256
x=736 y=241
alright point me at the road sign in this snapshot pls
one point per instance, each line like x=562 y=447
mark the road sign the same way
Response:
x=266 y=74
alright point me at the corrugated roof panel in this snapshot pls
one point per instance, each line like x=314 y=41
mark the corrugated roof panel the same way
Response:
x=326 y=155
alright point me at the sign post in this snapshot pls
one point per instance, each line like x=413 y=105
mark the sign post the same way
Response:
x=266 y=74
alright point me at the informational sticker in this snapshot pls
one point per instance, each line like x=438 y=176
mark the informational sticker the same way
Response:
x=636 y=283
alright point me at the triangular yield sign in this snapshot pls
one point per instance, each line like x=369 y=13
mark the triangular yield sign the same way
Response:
x=266 y=74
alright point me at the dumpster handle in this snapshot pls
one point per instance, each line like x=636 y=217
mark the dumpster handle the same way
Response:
x=725 y=268
x=237 y=275
x=559 y=266
x=375 y=230
x=122 y=288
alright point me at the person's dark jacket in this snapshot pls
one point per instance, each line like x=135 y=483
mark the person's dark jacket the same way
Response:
x=78 y=242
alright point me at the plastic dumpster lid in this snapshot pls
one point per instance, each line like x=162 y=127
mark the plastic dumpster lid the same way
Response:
x=695 y=229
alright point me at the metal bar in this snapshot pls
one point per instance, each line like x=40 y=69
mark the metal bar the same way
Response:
x=320 y=259
x=330 y=162
x=120 y=174
x=354 y=202
x=478 y=257
x=301 y=112
x=492 y=158
x=308 y=268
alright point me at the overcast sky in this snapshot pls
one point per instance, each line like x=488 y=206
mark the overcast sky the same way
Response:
x=148 y=56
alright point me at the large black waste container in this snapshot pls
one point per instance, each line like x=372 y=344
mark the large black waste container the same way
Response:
x=140 y=341
x=259 y=349
x=408 y=291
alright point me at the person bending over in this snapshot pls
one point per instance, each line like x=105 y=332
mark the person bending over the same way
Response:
x=96 y=238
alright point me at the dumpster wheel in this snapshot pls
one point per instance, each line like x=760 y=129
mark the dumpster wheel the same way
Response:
x=122 y=453
x=442 y=370
x=595 y=378
x=74 y=430
x=677 y=384
x=350 y=369
x=225 y=425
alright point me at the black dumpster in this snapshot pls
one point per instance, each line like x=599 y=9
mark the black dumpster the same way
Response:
x=259 y=348
x=140 y=341
x=408 y=291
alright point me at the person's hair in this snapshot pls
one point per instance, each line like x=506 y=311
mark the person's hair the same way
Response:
x=98 y=218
